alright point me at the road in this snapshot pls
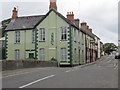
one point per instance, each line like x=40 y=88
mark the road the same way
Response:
x=102 y=74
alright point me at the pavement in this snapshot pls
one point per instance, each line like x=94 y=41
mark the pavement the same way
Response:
x=100 y=74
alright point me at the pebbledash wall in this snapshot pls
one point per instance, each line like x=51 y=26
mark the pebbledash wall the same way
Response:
x=75 y=47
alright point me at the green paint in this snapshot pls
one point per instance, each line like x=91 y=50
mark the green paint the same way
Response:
x=70 y=40
x=6 y=45
x=36 y=43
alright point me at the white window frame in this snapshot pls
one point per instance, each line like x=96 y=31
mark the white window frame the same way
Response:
x=17 y=37
x=42 y=34
x=63 y=33
x=42 y=54
x=33 y=36
x=75 y=54
x=63 y=54
x=17 y=54
x=75 y=35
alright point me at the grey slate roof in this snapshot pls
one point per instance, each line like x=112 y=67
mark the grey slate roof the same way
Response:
x=21 y=23
x=30 y=22
x=88 y=32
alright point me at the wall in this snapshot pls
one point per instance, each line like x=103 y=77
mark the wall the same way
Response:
x=25 y=44
x=99 y=48
x=19 y=64
x=52 y=24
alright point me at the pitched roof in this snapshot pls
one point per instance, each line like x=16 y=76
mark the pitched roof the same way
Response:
x=30 y=22
x=87 y=32
x=68 y=21
x=21 y=23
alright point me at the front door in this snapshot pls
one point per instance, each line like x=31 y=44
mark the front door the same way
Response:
x=79 y=56
x=31 y=55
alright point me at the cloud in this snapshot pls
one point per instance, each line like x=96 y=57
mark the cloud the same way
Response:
x=101 y=15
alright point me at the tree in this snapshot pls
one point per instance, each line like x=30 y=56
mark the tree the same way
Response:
x=109 y=48
x=4 y=25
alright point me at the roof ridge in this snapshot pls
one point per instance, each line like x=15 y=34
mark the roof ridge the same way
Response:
x=30 y=16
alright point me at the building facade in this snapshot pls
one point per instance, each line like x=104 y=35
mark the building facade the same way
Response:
x=49 y=37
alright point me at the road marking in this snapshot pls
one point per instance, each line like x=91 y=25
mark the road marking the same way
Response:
x=71 y=70
x=37 y=81
x=116 y=66
x=109 y=61
x=68 y=71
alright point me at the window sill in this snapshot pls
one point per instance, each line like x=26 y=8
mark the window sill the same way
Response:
x=17 y=43
x=63 y=40
x=41 y=41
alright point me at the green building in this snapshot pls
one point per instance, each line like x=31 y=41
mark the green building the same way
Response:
x=45 y=37
x=49 y=37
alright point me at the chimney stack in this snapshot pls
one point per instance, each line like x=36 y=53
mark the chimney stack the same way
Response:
x=83 y=24
x=14 y=14
x=53 y=4
x=90 y=30
x=87 y=27
x=70 y=16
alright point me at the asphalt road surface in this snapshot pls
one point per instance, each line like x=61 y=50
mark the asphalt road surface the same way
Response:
x=102 y=74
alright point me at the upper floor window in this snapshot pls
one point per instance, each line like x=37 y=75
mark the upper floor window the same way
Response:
x=33 y=36
x=75 y=52
x=63 y=33
x=17 y=37
x=42 y=34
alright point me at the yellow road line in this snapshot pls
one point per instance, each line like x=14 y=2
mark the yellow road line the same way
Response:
x=20 y=73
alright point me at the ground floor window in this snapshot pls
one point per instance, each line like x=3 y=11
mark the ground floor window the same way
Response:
x=42 y=54
x=63 y=54
x=17 y=54
x=75 y=58
x=79 y=55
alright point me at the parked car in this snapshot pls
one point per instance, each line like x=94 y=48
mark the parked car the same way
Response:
x=117 y=55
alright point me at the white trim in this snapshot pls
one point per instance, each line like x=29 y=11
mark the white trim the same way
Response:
x=52 y=48
x=2 y=39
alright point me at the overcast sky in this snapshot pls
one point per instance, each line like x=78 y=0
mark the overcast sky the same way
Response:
x=101 y=15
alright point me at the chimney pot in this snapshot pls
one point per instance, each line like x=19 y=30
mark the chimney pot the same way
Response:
x=72 y=13
x=83 y=24
x=70 y=16
x=87 y=27
x=90 y=30
x=14 y=14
